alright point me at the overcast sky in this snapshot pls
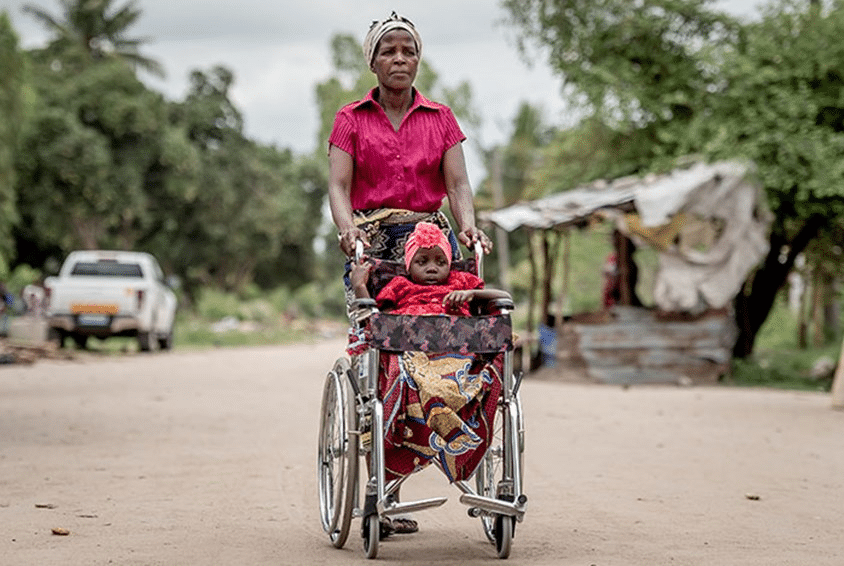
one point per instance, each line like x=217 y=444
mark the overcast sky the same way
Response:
x=279 y=51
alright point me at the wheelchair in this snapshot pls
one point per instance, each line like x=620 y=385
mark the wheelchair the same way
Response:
x=352 y=421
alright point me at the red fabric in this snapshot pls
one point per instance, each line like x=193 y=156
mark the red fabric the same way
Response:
x=412 y=440
x=403 y=296
x=425 y=235
x=396 y=169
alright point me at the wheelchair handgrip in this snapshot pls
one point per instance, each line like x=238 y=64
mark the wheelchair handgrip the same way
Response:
x=363 y=303
x=358 y=250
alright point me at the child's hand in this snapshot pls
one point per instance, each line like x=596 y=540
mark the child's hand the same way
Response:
x=458 y=298
x=359 y=276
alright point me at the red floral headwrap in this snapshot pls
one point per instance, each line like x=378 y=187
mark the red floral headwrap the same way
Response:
x=425 y=235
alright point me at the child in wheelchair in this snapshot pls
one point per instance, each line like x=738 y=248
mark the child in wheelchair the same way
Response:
x=440 y=405
x=431 y=287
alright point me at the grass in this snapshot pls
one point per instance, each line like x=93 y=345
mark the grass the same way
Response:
x=778 y=362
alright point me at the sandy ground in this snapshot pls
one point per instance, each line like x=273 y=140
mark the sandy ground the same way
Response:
x=207 y=458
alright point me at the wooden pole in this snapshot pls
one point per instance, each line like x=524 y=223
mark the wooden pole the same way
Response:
x=563 y=297
x=548 y=257
x=527 y=355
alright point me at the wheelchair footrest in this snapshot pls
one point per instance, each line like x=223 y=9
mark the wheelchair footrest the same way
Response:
x=499 y=506
x=411 y=506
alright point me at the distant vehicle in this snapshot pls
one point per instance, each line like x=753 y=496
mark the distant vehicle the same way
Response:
x=105 y=293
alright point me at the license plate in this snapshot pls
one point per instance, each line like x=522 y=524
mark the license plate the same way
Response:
x=93 y=319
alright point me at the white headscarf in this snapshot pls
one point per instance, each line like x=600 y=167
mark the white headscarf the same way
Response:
x=379 y=29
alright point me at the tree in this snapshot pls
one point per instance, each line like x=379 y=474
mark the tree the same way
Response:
x=95 y=29
x=254 y=210
x=94 y=143
x=680 y=78
x=781 y=108
x=12 y=108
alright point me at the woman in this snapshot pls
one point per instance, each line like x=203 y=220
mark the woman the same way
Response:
x=394 y=155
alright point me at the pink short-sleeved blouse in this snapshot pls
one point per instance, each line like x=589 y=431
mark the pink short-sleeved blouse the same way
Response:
x=396 y=169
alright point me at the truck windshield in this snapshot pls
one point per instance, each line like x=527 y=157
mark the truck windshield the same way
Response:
x=107 y=269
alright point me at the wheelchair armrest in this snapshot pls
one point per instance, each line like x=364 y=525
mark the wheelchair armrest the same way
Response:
x=492 y=306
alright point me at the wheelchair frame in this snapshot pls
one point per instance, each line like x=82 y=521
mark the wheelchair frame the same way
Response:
x=351 y=408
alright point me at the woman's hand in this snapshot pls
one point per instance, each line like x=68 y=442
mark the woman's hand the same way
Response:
x=469 y=236
x=347 y=240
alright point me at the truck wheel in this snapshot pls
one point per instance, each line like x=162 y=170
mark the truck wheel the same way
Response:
x=146 y=341
x=57 y=336
x=166 y=342
x=81 y=341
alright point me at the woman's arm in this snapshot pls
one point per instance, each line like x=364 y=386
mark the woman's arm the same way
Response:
x=460 y=198
x=340 y=170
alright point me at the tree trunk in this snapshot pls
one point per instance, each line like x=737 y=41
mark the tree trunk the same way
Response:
x=755 y=300
x=817 y=309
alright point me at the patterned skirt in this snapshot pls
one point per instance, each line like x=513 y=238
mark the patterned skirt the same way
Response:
x=438 y=407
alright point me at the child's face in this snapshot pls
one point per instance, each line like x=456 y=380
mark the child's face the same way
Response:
x=429 y=266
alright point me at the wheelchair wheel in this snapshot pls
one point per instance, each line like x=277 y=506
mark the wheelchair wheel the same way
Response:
x=337 y=458
x=490 y=476
x=504 y=527
x=371 y=535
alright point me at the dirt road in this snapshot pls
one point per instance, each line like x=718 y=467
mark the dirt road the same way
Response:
x=207 y=458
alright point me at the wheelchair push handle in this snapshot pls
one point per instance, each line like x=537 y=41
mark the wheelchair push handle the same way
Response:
x=479 y=258
x=358 y=250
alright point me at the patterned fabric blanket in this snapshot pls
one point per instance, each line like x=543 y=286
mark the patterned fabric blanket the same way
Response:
x=438 y=406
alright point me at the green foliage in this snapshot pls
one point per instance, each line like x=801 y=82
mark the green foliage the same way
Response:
x=108 y=163
x=627 y=62
x=255 y=210
x=659 y=80
x=21 y=276
x=87 y=155
x=781 y=108
x=12 y=109
x=317 y=300
x=779 y=362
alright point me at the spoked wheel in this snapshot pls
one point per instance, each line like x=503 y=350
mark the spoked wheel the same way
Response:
x=490 y=476
x=337 y=458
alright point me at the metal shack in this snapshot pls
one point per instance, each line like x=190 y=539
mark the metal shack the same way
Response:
x=709 y=226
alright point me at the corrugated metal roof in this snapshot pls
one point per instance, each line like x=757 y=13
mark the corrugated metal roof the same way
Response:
x=655 y=197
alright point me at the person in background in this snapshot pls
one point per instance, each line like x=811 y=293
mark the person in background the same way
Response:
x=6 y=302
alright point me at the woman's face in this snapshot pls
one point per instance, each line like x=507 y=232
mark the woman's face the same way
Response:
x=429 y=266
x=396 y=60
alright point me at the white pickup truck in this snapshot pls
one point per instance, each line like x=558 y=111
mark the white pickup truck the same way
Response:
x=111 y=293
